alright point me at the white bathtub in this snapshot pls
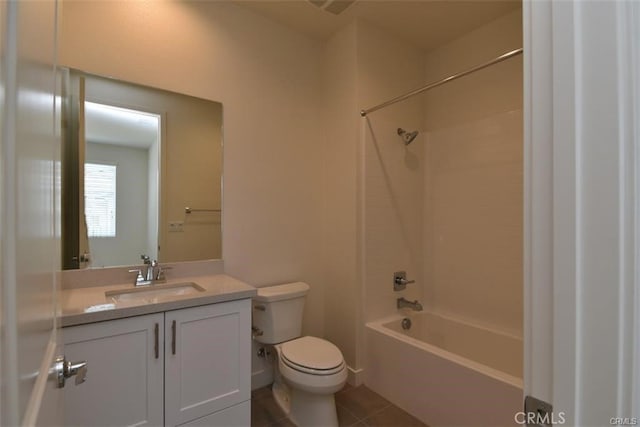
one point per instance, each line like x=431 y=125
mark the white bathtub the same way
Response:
x=446 y=372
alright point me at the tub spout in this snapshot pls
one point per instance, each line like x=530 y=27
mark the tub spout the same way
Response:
x=403 y=303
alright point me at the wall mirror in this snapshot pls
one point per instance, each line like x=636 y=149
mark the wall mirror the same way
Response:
x=141 y=174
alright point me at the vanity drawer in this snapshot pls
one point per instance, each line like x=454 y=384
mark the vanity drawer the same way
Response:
x=236 y=416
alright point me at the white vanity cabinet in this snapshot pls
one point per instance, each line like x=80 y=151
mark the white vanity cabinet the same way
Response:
x=207 y=362
x=199 y=375
x=124 y=382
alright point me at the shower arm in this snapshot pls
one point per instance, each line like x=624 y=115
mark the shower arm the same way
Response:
x=414 y=92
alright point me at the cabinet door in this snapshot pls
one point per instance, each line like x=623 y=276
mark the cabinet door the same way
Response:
x=124 y=381
x=207 y=360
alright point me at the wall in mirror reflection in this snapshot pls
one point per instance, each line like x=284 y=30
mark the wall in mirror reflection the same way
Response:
x=134 y=158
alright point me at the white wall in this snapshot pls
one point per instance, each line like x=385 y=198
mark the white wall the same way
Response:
x=268 y=79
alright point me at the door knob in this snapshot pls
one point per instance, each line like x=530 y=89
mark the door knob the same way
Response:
x=64 y=369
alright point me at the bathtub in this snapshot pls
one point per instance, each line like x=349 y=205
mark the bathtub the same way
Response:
x=446 y=372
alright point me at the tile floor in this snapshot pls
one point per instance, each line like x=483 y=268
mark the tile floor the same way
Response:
x=357 y=406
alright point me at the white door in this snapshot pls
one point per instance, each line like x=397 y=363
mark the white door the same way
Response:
x=582 y=145
x=29 y=202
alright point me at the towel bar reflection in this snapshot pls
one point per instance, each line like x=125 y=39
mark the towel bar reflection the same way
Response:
x=189 y=210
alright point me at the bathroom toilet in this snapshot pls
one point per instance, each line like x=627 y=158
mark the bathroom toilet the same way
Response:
x=308 y=370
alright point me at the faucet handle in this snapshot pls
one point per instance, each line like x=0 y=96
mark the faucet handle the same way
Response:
x=139 y=276
x=160 y=275
x=400 y=281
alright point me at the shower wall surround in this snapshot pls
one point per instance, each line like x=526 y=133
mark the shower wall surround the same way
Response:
x=384 y=189
x=448 y=207
x=474 y=169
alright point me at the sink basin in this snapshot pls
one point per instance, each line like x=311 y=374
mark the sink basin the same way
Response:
x=153 y=293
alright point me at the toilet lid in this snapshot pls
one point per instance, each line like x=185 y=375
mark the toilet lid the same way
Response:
x=313 y=353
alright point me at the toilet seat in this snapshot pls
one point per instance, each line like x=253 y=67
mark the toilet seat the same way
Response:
x=312 y=355
x=312 y=371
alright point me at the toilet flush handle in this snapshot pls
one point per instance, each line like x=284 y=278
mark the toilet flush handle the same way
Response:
x=255 y=332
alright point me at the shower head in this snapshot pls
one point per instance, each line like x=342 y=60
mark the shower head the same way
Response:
x=407 y=137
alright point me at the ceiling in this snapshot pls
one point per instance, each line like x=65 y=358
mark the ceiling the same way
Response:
x=106 y=124
x=425 y=23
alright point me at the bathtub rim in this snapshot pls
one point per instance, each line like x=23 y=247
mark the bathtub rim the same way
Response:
x=378 y=326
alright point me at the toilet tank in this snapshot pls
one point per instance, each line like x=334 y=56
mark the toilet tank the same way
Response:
x=277 y=312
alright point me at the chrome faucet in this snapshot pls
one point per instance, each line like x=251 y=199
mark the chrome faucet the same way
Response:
x=151 y=267
x=403 y=303
x=153 y=274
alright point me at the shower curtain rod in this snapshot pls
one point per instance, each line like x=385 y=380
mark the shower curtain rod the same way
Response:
x=500 y=58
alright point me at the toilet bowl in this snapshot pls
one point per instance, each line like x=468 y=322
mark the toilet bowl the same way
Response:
x=313 y=369
x=308 y=370
x=323 y=372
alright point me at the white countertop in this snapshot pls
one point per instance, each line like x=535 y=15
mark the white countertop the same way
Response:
x=82 y=305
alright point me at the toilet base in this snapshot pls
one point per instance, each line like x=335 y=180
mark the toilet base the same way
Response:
x=305 y=409
x=313 y=410
x=281 y=395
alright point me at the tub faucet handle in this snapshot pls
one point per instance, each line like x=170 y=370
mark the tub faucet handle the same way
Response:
x=400 y=281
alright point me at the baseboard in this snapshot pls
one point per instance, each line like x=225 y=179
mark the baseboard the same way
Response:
x=355 y=377
x=261 y=378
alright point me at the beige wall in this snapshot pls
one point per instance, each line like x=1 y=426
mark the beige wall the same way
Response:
x=342 y=307
x=473 y=194
x=373 y=198
x=392 y=178
x=268 y=80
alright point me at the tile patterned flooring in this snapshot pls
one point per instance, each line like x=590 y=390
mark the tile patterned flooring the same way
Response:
x=357 y=406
